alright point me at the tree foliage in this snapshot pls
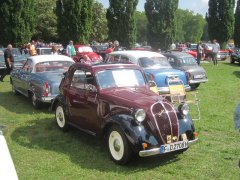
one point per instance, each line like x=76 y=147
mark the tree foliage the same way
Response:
x=46 y=27
x=121 y=21
x=237 y=26
x=141 y=26
x=189 y=27
x=17 y=21
x=99 y=28
x=74 y=20
x=161 y=23
x=220 y=20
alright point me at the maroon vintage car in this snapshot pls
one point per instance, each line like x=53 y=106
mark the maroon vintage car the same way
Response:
x=114 y=101
x=86 y=55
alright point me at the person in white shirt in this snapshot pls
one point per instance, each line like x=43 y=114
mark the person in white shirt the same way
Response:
x=215 y=51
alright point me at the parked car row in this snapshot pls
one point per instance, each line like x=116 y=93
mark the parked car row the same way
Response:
x=112 y=100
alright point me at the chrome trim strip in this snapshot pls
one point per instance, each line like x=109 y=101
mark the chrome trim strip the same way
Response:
x=155 y=151
x=198 y=81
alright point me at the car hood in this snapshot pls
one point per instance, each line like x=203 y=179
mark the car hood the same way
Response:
x=161 y=117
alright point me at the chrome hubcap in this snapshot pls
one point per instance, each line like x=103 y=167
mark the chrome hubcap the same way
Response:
x=116 y=145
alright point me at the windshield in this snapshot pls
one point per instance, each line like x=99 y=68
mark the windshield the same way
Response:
x=85 y=49
x=120 y=78
x=147 y=62
x=188 y=61
x=47 y=66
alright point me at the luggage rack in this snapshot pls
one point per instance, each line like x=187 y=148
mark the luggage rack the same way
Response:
x=178 y=95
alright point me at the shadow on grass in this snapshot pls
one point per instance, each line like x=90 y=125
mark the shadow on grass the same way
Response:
x=19 y=104
x=237 y=74
x=84 y=150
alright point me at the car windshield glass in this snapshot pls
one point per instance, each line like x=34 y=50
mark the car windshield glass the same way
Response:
x=147 y=62
x=187 y=61
x=53 y=66
x=85 y=49
x=44 y=51
x=120 y=78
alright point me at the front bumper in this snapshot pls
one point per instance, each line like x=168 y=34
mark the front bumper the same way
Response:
x=196 y=81
x=156 y=151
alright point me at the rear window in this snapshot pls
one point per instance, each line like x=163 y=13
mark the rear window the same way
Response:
x=53 y=66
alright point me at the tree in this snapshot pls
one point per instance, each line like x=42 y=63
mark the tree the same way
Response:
x=161 y=23
x=141 y=26
x=220 y=20
x=189 y=27
x=17 y=21
x=74 y=20
x=46 y=27
x=99 y=28
x=237 y=26
x=121 y=21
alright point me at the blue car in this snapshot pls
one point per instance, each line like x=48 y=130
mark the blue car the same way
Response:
x=155 y=65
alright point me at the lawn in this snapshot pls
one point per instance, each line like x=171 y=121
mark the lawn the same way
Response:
x=41 y=151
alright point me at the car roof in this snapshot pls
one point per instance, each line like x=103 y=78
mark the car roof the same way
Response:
x=43 y=58
x=103 y=66
x=137 y=54
x=177 y=54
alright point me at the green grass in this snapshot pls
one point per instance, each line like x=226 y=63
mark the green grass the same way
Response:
x=41 y=151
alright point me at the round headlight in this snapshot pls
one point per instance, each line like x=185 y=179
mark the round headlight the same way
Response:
x=140 y=115
x=184 y=109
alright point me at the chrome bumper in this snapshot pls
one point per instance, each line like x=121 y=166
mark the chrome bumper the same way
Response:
x=196 y=81
x=156 y=151
x=47 y=99
x=165 y=90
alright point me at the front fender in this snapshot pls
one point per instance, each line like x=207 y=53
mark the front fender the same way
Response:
x=186 y=126
x=56 y=100
x=136 y=133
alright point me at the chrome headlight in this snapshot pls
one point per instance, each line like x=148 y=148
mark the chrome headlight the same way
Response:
x=140 y=115
x=184 y=109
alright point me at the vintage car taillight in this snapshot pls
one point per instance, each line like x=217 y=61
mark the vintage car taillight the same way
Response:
x=46 y=89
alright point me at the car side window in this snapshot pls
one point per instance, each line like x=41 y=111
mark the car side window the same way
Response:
x=81 y=78
x=28 y=66
x=112 y=59
x=125 y=59
x=171 y=61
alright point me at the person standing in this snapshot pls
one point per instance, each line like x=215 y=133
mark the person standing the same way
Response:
x=32 y=49
x=54 y=50
x=70 y=51
x=9 y=61
x=215 y=51
x=199 y=52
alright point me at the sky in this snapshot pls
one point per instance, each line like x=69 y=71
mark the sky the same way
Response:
x=197 y=6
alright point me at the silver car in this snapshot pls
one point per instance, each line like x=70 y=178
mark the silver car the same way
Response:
x=187 y=63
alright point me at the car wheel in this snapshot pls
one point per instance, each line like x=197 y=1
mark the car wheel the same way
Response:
x=35 y=102
x=231 y=60
x=194 y=86
x=61 y=118
x=119 y=148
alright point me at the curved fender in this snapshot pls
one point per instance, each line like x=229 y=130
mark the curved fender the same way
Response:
x=58 y=98
x=135 y=132
x=186 y=124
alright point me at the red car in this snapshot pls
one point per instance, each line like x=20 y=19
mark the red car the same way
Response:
x=85 y=54
x=115 y=102
x=222 y=55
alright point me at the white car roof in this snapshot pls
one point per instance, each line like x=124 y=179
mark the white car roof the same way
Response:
x=137 y=54
x=50 y=57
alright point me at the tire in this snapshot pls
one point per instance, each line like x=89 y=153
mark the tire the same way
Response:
x=231 y=60
x=118 y=146
x=194 y=86
x=61 y=118
x=35 y=102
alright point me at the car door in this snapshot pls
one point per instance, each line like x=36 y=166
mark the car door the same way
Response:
x=82 y=103
x=20 y=78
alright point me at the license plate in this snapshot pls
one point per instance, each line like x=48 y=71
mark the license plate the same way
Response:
x=198 y=76
x=173 y=147
x=177 y=90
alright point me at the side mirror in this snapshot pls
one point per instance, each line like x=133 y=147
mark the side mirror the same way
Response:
x=91 y=88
